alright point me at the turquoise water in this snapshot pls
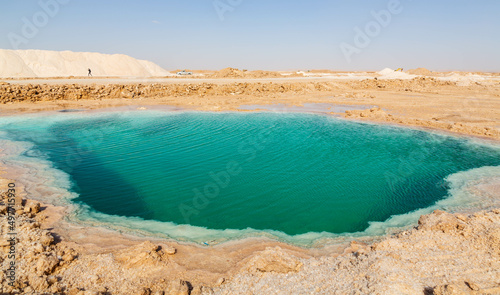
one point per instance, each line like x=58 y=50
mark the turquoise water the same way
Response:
x=290 y=173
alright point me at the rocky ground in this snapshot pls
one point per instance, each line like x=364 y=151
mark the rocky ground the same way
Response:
x=463 y=106
x=43 y=92
x=377 y=114
x=42 y=263
x=445 y=254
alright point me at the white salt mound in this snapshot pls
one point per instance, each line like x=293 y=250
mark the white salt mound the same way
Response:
x=463 y=79
x=44 y=63
x=389 y=74
x=385 y=71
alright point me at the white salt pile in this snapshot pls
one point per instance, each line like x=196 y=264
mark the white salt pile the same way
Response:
x=391 y=74
x=43 y=63
x=463 y=79
x=385 y=71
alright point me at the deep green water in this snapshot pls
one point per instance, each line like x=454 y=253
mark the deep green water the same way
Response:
x=294 y=173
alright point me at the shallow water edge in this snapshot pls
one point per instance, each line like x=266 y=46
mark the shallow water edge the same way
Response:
x=469 y=191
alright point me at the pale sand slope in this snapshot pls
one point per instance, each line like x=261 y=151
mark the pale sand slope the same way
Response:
x=43 y=63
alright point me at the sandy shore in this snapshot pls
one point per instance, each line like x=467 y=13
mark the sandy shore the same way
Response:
x=445 y=253
x=463 y=105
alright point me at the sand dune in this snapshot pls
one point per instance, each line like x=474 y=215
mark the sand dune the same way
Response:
x=42 y=63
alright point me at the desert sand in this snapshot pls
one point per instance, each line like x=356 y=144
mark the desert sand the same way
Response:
x=443 y=254
x=45 y=63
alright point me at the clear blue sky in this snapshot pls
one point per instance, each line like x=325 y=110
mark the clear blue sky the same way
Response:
x=267 y=34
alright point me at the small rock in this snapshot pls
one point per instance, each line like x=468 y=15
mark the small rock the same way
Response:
x=19 y=201
x=46 y=240
x=94 y=278
x=361 y=252
x=46 y=264
x=55 y=289
x=275 y=260
x=4 y=243
x=29 y=225
x=142 y=254
x=202 y=290
x=439 y=221
x=38 y=248
x=178 y=287
x=220 y=281
x=451 y=290
x=196 y=291
x=472 y=285
x=68 y=257
x=38 y=283
x=52 y=280
x=33 y=206
x=169 y=250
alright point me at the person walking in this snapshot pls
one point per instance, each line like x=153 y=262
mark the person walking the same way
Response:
x=90 y=73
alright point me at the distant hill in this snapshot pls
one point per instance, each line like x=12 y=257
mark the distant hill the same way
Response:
x=44 y=63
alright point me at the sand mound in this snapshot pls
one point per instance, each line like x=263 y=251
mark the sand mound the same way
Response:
x=42 y=63
x=420 y=71
x=263 y=74
x=462 y=79
x=236 y=73
x=229 y=73
x=389 y=74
